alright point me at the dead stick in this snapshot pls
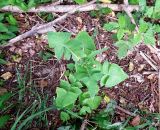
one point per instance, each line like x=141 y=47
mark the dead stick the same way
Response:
x=68 y=8
x=125 y=111
x=83 y=126
x=149 y=61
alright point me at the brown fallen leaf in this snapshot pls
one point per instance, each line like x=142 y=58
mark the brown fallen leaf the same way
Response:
x=43 y=83
x=17 y=58
x=131 y=66
x=6 y=75
x=151 y=77
x=141 y=67
x=136 y=121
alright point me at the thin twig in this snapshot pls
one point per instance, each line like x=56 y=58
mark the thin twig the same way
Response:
x=83 y=126
x=149 y=61
x=125 y=111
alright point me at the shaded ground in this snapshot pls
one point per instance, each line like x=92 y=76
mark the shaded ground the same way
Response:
x=140 y=91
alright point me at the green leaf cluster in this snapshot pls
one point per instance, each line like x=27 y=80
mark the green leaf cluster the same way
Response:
x=23 y=4
x=152 y=12
x=80 y=94
x=8 y=27
x=128 y=37
x=3 y=99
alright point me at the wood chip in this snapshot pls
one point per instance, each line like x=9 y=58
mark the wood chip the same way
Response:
x=131 y=66
x=136 y=121
x=43 y=83
x=151 y=77
x=141 y=67
x=6 y=75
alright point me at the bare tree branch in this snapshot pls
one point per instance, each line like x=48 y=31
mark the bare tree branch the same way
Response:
x=68 y=8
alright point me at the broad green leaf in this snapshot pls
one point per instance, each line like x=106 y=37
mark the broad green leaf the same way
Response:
x=79 y=85
x=1 y=16
x=105 y=68
x=116 y=75
x=110 y=26
x=104 y=80
x=105 y=11
x=58 y=40
x=12 y=28
x=120 y=34
x=76 y=90
x=65 y=98
x=3 y=120
x=142 y=4
x=149 y=11
x=157 y=28
x=11 y=20
x=122 y=21
x=5 y=36
x=3 y=28
x=122 y=51
x=92 y=86
x=4 y=3
x=157 y=6
x=94 y=53
x=143 y=26
x=64 y=84
x=72 y=79
x=84 y=110
x=64 y=116
x=149 y=37
x=137 y=38
x=75 y=47
x=87 y=42
x=122 y=48
x=80 y=1
x=93 y=102
x=113 y=76
x=31 y=4
x=83 y=96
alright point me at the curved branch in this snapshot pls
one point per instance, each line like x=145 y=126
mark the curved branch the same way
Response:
x=68 y=8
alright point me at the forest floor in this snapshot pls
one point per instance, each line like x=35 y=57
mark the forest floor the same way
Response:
x=34 y=63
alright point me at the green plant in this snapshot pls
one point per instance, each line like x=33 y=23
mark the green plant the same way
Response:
x=80 y=92
x=8 y=27
x=126 y=34
x=23 y=4
x=3 y=107
x=35 y=109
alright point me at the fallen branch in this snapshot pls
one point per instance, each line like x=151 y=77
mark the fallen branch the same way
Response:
x=41 y=27
x=125 y=111
x=68 y=8
x=149 y=61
